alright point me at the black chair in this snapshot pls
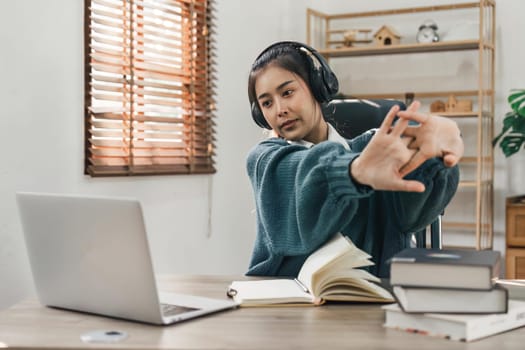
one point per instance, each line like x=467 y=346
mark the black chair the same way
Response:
x=352 y=117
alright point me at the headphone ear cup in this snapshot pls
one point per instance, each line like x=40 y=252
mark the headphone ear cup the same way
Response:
x=317 y=85
x=331 y=83
x=324 y=83
x=258 y=117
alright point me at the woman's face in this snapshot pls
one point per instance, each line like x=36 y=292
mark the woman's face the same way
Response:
x=288 y=105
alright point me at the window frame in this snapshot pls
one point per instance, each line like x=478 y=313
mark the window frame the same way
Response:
x=150 y=139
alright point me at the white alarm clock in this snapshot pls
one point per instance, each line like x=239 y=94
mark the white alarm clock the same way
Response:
x=427 y=32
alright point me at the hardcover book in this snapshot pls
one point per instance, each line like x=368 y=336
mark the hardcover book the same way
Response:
x=446 y=300
x=420 y=267
x=331 y=273
x=463 y=327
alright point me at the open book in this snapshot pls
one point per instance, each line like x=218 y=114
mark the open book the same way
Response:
x=330 y=273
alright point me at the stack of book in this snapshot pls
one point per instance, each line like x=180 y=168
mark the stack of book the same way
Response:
x=448 y=281
x=451 y=293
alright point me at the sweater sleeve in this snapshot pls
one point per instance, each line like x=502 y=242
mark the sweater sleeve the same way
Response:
x=303 y=195
x=414 y=211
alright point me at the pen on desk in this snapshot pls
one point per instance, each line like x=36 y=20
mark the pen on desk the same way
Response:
x=303 y=287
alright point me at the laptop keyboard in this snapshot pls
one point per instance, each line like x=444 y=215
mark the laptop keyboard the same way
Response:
x=172 y=310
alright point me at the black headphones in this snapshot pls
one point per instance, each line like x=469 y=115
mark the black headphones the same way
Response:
x=323 y=82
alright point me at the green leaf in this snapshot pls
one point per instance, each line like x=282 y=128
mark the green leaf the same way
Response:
x=512 y=135
x=517 y=101
x=509 y=120
x=508 y=124
x=519 y=125
x=511 y=144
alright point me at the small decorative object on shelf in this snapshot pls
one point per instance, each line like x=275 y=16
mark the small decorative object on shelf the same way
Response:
x=427 y=32
x=386 y=35
x=437 y=106
x=352 y=36
x=409 y=98
x=455 y=105
x=452 y=105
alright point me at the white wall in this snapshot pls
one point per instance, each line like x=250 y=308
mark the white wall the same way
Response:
x=41 y=74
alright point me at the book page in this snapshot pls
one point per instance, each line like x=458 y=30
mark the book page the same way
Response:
x=354 y=285
x=323 y=257
x=342 y=277
x=354 y=257
x=267 y=292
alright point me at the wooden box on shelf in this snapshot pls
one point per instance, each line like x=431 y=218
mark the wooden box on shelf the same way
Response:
x=515 y=237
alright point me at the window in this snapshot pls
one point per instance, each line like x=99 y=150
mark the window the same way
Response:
x=149 y=87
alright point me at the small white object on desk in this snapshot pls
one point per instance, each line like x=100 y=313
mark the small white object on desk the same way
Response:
x=103 y=336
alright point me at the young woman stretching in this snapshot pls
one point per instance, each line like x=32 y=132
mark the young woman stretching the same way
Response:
x=310 y=183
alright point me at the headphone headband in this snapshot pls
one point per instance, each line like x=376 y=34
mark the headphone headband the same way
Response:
x=295 y=44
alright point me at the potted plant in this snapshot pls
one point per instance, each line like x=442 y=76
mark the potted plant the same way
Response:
x=512 y=136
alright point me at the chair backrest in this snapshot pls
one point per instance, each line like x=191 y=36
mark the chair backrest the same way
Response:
x=352 y=117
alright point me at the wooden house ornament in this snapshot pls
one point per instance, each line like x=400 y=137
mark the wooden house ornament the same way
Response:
x=451 y=103
x=386 y=35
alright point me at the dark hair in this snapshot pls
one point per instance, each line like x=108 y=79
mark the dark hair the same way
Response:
x=283 y=56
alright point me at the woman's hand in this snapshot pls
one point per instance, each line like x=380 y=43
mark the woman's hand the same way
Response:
x=387 y=152
x=434 y=137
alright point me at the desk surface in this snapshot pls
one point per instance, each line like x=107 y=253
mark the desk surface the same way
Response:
x=29 y=325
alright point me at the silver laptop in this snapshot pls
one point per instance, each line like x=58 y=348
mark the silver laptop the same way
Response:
x=91 y=254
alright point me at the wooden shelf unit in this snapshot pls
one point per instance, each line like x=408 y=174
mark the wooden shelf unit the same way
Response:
x=321 y=27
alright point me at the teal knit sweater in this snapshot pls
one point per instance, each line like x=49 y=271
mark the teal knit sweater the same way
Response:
x=303 y=196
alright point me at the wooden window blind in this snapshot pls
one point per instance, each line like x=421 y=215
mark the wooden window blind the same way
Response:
x=149 y=87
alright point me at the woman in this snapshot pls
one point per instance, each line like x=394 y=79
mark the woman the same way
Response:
x=310 y=183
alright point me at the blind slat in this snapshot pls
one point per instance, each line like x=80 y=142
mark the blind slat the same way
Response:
x=109 y=124
x=144 y=135
x=146 y=74
x=112 y=16
x=157 y=68
x=159 y=126
x=109 y=152
x=111 y=69
x=110 y=133
x=157 y=152
x=109 y=143
x=115 y=4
